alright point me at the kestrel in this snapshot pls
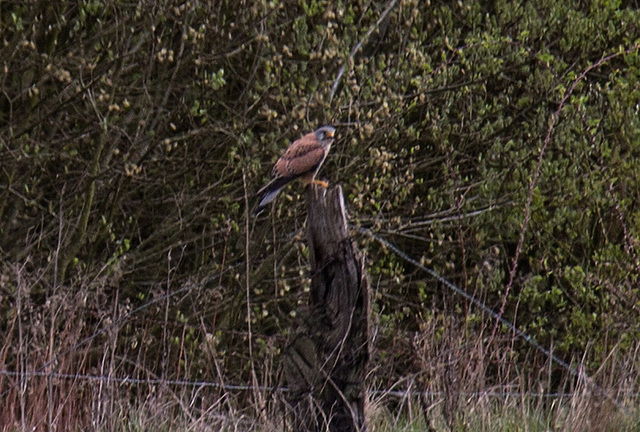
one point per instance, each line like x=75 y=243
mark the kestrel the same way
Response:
x=302 y=160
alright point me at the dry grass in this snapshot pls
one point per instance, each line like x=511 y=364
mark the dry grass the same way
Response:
x=469 y=384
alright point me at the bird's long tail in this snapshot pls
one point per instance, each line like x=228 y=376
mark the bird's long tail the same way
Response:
x=269 y=192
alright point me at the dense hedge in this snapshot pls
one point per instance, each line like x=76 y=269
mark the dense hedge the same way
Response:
x=133 y=136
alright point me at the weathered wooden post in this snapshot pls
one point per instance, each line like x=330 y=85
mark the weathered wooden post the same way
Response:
x=326 y=362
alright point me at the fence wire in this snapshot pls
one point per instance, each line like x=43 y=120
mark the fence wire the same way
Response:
x=240 y=387
x=577 y=372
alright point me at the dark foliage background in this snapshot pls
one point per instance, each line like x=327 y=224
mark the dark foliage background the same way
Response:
x=497 y=142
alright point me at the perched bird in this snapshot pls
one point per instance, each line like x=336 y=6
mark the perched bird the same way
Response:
x=302 y=160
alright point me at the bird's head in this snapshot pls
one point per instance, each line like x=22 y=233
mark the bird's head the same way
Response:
x=325 y=135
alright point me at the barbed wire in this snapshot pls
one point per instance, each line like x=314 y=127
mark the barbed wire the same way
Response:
x=136 y=381
x=246 y=387
x=578 y=373
x=42 y=369
x=530 y=340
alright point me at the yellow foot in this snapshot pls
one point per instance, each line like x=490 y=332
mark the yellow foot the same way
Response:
x=322 y=183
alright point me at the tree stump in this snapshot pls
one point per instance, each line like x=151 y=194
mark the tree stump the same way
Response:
x=326 y=362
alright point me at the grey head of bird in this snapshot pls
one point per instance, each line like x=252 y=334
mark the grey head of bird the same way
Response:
x=325 y=135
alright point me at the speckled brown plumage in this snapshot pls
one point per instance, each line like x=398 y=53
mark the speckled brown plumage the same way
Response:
x=302 y=160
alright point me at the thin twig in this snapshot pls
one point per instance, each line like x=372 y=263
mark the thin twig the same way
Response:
x=498 y=317
x=247 y=217
x=536 y=173
x=355 y=49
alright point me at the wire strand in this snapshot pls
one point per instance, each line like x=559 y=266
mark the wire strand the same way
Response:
x=579 y=373
x=239 y=387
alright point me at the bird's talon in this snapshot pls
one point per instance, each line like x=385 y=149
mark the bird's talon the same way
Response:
x=322 y=183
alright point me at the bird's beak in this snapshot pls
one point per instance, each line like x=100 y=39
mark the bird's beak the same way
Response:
x=330 y=134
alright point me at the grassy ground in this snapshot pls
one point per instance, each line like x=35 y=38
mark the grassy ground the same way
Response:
x=577 y=413
x=160 y=411
x=480 y=415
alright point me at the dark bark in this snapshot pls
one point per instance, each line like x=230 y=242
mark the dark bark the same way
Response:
x=326 y=363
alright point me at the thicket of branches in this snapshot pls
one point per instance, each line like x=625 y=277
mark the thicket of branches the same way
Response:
x=497 y=142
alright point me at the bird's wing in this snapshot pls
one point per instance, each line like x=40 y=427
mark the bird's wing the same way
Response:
x=302 y=157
